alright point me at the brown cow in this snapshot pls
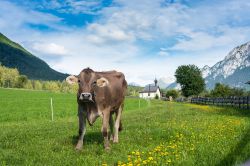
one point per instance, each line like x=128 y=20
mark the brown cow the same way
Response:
x=99 y=94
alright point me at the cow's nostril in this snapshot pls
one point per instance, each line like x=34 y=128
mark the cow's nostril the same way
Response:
x=85 y=96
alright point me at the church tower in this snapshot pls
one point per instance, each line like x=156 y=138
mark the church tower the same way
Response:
x=155 y=82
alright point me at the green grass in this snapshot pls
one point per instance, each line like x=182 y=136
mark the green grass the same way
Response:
x=158 y=133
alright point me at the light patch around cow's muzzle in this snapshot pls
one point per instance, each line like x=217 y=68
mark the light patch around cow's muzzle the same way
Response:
x=86 y=97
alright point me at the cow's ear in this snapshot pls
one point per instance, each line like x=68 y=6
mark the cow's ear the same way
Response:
x=71 y=79
x=102 y=82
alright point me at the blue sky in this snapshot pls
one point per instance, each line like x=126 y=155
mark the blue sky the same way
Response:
x=142 y=38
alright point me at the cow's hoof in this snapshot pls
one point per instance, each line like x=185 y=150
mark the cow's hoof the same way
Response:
x=111 y=138
x=115 y=141
x=107 y=148
x=78 y=146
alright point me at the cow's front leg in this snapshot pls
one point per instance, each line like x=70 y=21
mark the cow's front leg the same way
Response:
x=105 y=125
x=111 y=126
x=82 y=126
x=117 y=123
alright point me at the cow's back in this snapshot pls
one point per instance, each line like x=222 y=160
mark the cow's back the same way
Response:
x=117 y=87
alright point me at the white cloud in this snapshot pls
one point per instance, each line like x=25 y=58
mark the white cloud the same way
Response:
x=163 y=53
x=50 y=49
x=110 y=33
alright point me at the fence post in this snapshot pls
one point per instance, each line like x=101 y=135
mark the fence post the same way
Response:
x=148 y=102
x=248 y=102
x=51 y=107
x=244 y=102
x=239 y=101
x=233 y=101
x=139 y=103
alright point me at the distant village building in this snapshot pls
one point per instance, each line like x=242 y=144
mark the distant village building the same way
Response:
x=150 y=91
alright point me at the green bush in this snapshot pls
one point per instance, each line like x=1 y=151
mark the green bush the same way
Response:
x=174 y=93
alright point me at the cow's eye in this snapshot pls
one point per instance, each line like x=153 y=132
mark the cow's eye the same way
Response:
x=79 y=81
x=94 y=83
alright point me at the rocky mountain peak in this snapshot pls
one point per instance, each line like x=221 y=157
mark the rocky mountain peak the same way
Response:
x=236 y=60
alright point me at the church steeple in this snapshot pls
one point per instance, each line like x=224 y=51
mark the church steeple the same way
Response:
x=155 y=82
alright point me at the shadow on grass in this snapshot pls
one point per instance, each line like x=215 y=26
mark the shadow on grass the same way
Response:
x=89 y=138
x=237 y=151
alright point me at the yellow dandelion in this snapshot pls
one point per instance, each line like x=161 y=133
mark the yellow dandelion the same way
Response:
x=150 y=158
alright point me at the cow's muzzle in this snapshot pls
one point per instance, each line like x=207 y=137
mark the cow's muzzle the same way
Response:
x=86 y=97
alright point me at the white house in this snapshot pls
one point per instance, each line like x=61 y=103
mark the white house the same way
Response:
x=150 y=91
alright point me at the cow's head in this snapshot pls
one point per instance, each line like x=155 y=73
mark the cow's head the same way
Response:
x=89 y=83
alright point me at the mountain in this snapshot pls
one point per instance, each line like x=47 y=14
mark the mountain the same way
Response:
x=233 y=70
x=164 y=82
x=14 y=55
x=174 y=85
x=134 y=84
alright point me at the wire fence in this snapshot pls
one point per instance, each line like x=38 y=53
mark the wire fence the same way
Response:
x=15 y=108
x=233 y=101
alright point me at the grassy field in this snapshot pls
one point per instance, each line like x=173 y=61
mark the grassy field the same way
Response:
x=157 y=133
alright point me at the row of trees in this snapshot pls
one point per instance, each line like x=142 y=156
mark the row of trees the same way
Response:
x=221 y=90
x=11 y=78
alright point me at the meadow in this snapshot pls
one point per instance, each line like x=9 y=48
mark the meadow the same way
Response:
x=156 y=133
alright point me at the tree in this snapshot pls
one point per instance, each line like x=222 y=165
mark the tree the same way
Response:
x=237 y=92
x=51 y=86
x=21 y=81
x=221 y=90
x=37 y=85
x=28 y=85
x=174 y=93
x=190 y=79
x=8 y=77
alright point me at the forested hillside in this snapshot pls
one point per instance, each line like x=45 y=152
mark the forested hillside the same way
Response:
x=15 y=56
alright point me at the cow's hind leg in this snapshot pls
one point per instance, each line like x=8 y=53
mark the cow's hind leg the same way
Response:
x=105 y=124
x=82 y=127
x=117 y=123
x=111 y=126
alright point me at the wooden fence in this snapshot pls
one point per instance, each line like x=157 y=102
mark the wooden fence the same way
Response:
x=239 y=102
